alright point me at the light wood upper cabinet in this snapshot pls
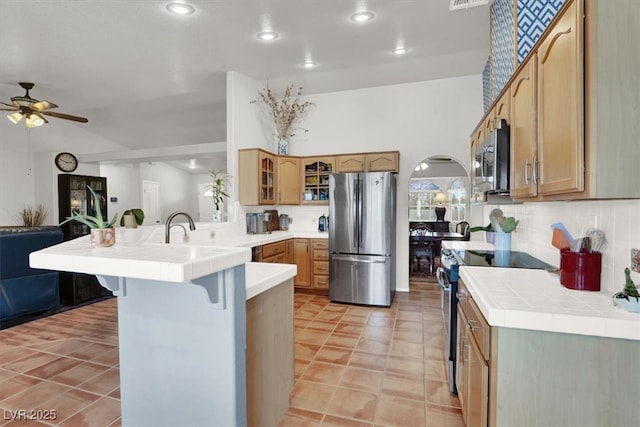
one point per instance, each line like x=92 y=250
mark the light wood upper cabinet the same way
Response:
x=316 y=171
x=502 y=110
x=386 y=161
x=382 y=162
x=560 y=105
x=257 y=177
x=288 y=179
x=612 y=97
x=350 y=163
x=523 y=130
x=547 y=113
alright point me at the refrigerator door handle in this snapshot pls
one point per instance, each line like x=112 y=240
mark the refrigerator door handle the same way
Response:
x=356 y=233
x=359 y=204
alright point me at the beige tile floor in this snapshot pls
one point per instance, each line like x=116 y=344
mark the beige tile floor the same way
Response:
x=355 y=366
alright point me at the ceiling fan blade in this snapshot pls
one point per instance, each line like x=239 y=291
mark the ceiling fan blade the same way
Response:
x=9 y=105
x=43 y=105
x=8 y=109
x=65 y=116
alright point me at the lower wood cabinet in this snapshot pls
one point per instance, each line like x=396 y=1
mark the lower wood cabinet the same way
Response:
x=527 y=378
x=270 y=355
x=311 y=256
x=312 y=259
x=472 y=369
x=320 y=260
x=274 y=252
x=301 y=258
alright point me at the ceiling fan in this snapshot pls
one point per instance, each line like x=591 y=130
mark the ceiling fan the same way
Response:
x=34 y=110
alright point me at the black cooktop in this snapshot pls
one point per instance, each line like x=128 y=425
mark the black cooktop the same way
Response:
x=510 y=259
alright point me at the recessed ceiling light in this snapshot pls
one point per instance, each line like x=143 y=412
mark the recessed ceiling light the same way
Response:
x=400 y=50
x=362 y=17
x=180 y=8
x=308 y=64
x=267 y=35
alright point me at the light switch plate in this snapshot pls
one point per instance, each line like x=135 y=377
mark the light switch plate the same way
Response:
x=635 y=260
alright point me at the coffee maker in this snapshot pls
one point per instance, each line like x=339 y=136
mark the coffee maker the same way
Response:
x=257 y=223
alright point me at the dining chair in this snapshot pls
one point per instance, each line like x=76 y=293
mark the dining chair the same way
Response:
x=421 y=246
x=463 y=228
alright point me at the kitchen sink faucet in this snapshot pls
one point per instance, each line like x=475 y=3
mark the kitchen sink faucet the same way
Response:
x=192 y=226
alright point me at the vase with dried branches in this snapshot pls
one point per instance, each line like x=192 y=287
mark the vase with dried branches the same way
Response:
x=285 y=114
x=32 y=217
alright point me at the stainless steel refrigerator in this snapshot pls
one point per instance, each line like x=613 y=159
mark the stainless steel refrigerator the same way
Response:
x=362 y=237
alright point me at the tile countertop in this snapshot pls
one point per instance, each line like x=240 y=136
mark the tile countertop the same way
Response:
x=262 y=276
x=536 y=300
x=142 y=254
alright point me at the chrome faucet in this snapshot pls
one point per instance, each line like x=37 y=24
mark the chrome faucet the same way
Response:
x=192 y=226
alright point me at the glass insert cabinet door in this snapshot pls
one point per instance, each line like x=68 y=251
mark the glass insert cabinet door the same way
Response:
x=267 y=178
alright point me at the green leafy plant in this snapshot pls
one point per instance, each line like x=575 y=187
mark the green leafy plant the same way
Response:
x=630 y=288
x=220 y=180
x=137 y=213
x=92 y=221
x=488 y=228
x=501 y=223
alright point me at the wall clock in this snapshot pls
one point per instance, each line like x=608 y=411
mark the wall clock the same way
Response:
x=66 y=162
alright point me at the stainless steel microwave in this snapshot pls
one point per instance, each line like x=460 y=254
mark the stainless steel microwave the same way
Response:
x=492 y=157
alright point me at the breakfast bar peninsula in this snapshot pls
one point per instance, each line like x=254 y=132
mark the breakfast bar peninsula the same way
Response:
x=182 y=324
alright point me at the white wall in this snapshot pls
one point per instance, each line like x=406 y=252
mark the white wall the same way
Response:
x=20 y=188
x=418 y=119
x=617 y=218
x=123 y=182
x=176 y=191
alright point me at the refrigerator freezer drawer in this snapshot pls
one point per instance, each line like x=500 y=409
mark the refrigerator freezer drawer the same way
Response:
x=361 y=279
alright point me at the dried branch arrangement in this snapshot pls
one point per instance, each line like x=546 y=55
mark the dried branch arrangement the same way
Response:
x=32 y=217
x=286 y=112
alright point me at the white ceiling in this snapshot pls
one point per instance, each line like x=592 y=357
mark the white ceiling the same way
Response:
x=146 y=78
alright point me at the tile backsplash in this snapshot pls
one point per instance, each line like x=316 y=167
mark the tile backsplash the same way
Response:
x=619 y=219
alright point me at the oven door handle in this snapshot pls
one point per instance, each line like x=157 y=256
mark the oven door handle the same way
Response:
x=443 y=282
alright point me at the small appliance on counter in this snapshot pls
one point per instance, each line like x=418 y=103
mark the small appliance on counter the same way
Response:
x=285 y=220
x=323 y=223
x=258 y=223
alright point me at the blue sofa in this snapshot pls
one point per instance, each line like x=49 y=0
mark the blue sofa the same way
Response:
x=25 y=290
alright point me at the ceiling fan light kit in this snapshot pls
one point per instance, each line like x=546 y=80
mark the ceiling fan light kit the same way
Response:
x=34 y=110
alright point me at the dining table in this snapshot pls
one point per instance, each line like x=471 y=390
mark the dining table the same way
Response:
x=433 y=238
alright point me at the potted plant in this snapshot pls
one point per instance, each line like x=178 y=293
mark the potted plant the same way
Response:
x=488 y=230
x=629 y=298
x=32 y=217
x=132 y=218
x=102 y=233
x=220 y=180
x=503 y=226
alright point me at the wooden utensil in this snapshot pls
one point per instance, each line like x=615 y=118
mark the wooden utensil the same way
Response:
x=559 y=240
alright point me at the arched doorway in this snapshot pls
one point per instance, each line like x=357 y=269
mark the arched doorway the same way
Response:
x=436 y=182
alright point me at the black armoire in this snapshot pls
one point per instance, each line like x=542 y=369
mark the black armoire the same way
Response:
x=74 y=196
